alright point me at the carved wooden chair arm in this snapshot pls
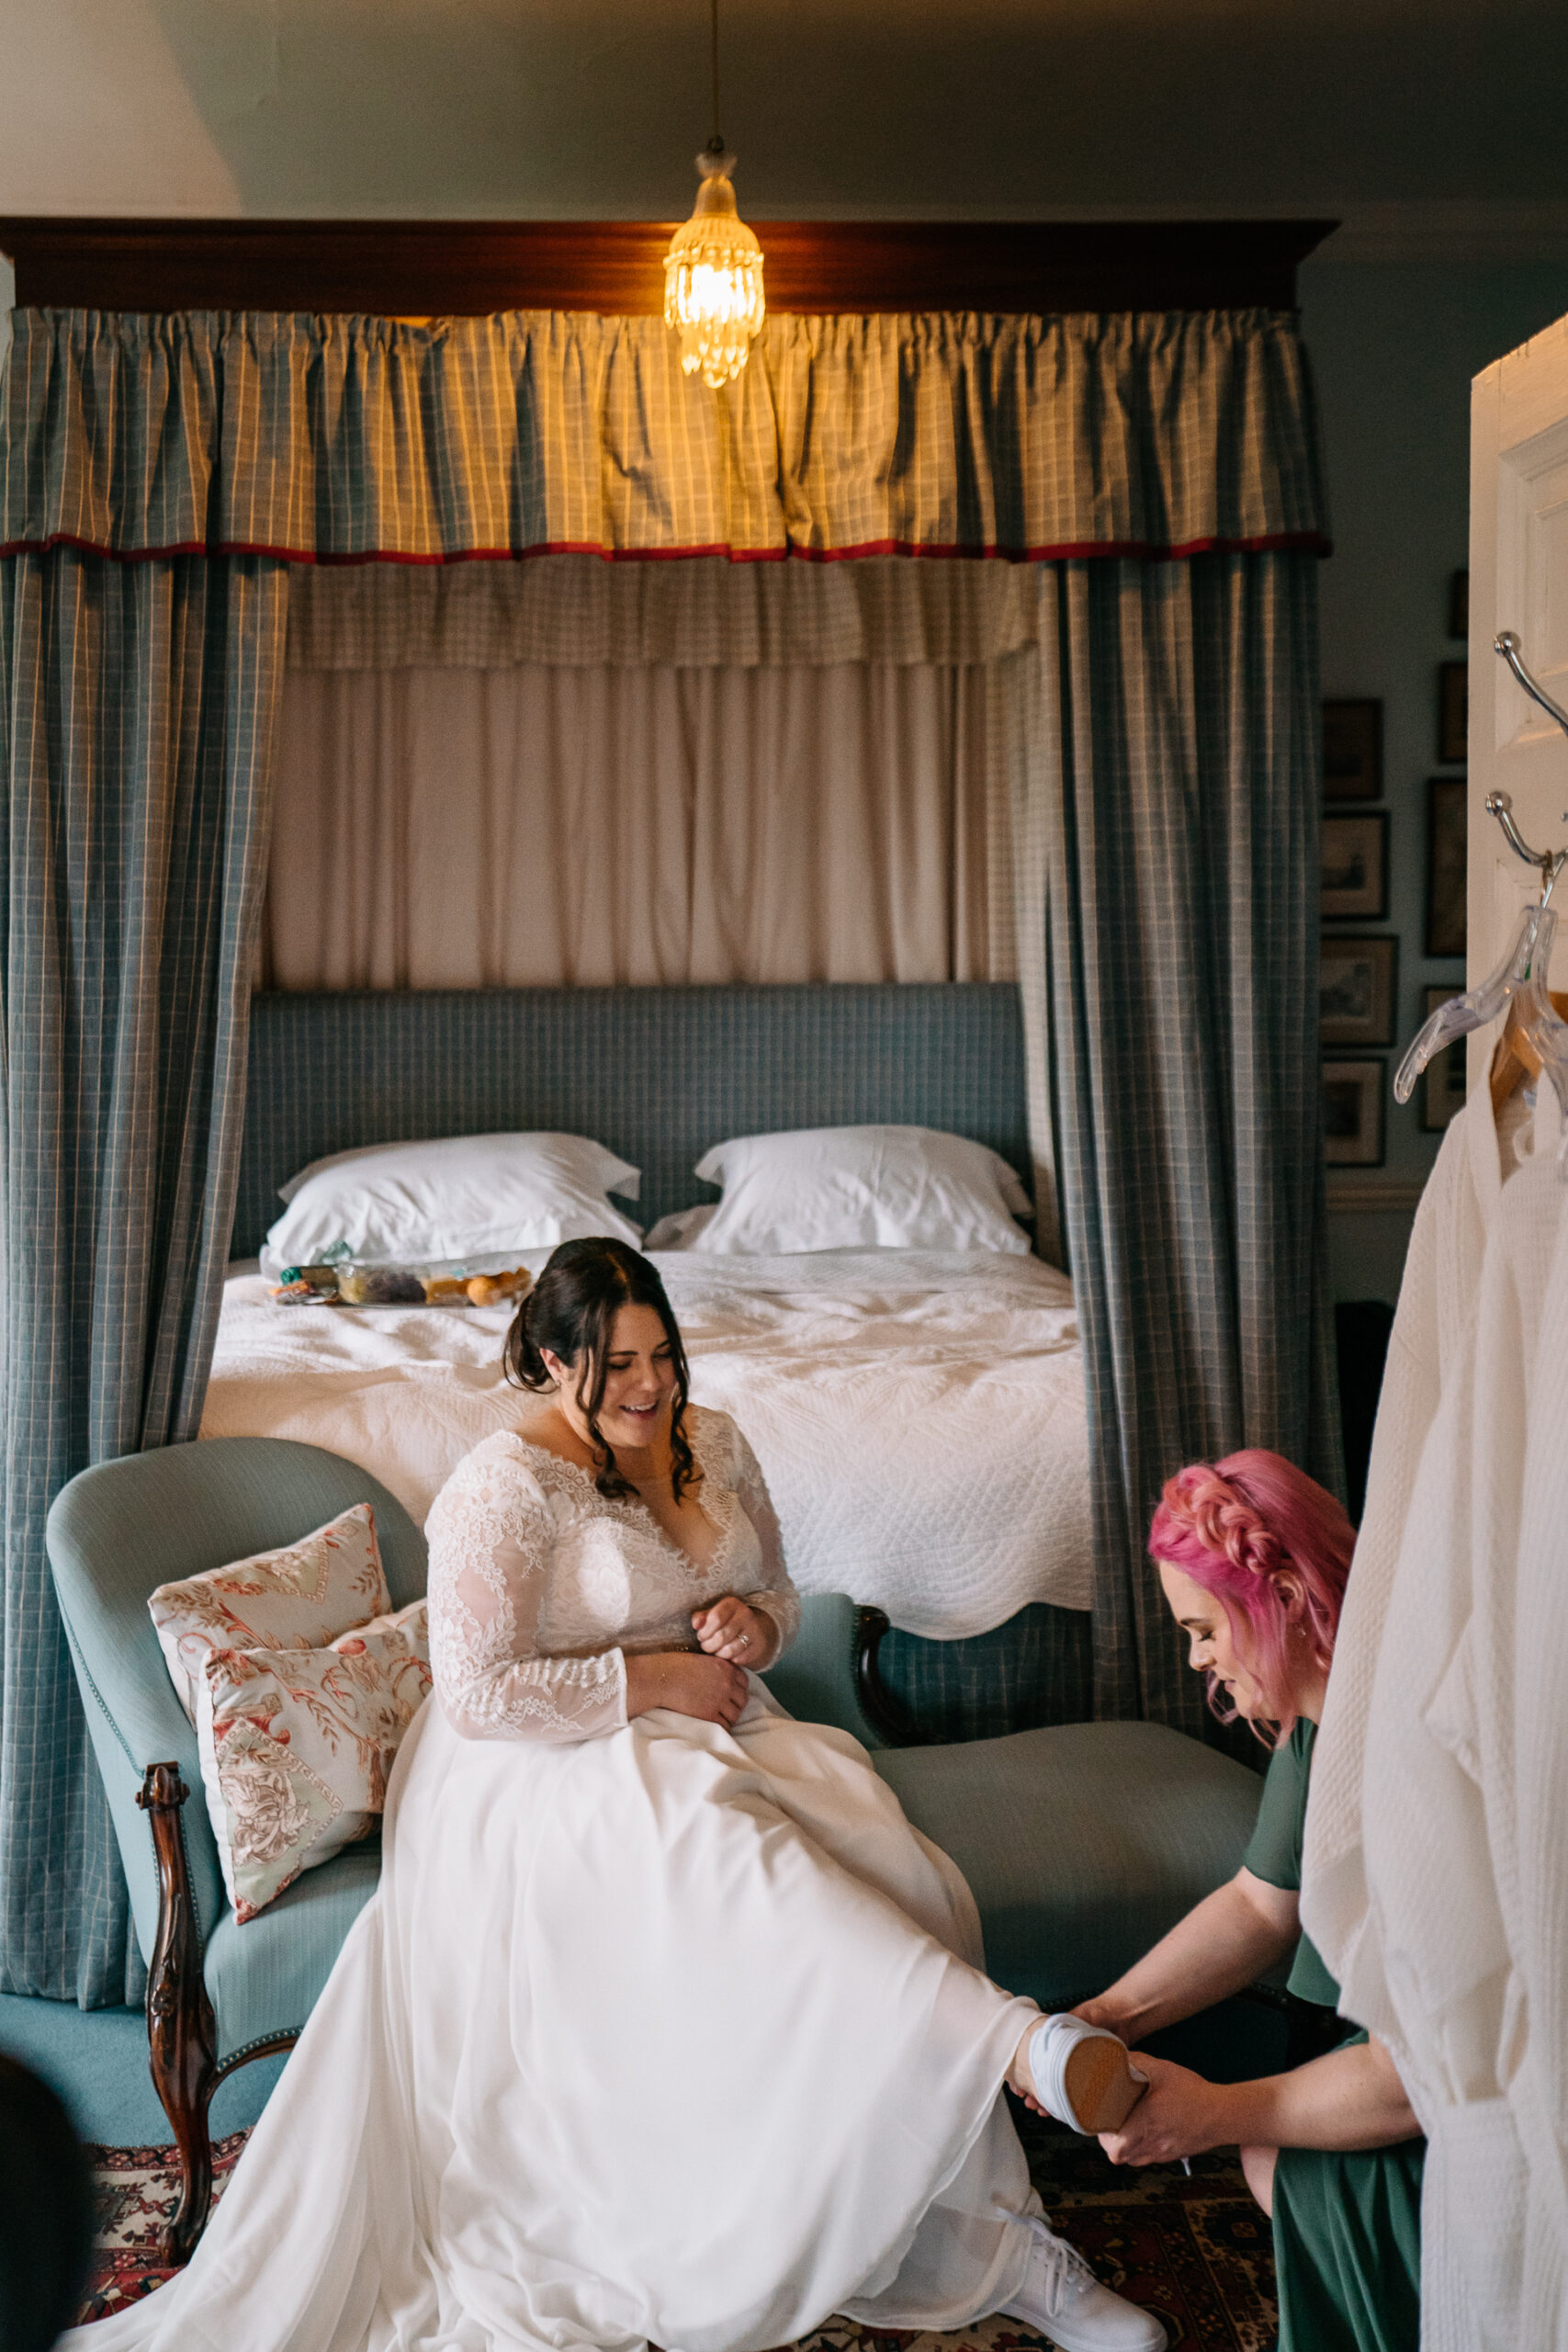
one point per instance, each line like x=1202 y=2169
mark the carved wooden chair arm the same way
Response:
x=887 y=1715
x=182 y=2035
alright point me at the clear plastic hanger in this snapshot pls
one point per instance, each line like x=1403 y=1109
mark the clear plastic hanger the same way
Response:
x=1519 y=986
x=1519 y=980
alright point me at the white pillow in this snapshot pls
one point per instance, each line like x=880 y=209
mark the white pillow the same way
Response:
x=681 y=1229
x=460 y=1198
x=867 y=1188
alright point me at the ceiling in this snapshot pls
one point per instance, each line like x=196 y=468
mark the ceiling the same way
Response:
x=1441 y=121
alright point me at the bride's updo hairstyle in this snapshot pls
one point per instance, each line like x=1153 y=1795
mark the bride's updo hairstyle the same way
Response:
x=1238 y=1528
x=572 y=1310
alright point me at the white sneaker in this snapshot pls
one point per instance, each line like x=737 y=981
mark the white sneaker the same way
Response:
x=1082 y=2074
x=1062 y=2297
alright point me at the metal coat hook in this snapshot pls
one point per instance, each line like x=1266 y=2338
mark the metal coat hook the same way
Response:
x=1506 y=644
x=1549 y=864
x=1519 y=984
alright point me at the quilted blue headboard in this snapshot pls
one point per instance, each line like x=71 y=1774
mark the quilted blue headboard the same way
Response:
x=657 y=1074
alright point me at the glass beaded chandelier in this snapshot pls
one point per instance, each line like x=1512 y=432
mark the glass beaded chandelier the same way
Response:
x=713 y=271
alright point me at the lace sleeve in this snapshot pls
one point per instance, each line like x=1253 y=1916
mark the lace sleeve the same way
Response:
x=778 y=1597
x=491 y=1536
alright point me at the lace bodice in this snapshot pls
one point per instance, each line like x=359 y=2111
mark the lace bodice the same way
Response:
x=539 y=1584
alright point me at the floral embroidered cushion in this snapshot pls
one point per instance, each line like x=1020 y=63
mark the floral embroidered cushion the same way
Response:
x=297 y=1598
x=297 y=1745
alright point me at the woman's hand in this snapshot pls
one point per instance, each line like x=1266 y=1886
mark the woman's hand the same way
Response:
x=1351 y=2098
x=1179 y=2115
x=730 y=1630
x=708 y=1688
x=1234 y=1936
x=1103 y=2011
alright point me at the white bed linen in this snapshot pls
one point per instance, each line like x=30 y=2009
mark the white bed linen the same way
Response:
x=919 y=1415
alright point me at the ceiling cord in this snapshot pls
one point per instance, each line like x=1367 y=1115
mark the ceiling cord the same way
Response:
x=716 y=145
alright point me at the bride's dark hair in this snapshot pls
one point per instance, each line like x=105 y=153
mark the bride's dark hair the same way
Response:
x=572 y=1310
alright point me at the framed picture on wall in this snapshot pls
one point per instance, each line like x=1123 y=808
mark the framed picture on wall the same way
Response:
x=1453 y=710
x=1352 y=750
x=1443 y=1082
x=1445 y=865
x=1355 y=867
x=1353 y=1113
x=1358 y=989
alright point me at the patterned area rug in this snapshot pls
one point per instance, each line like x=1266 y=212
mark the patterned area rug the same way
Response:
x=1197 y=2251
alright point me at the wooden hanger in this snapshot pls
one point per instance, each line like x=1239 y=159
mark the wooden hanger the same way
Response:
x=1514 y=1058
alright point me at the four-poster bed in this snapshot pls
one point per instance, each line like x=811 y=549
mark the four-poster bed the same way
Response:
x=1147 y=458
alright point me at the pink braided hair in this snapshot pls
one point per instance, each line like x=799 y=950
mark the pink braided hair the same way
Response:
x=1233 y=1526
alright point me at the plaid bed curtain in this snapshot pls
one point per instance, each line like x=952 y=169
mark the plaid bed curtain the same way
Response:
x=139 y=701
x=1168 y=852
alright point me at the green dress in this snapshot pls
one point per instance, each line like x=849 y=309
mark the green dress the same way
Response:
x=1346 y=2227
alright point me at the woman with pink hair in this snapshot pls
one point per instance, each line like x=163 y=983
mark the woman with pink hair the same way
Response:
x=1253 y=1556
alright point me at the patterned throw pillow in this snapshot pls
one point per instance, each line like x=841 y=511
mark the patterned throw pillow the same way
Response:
x=297 y=1598
x=297 y=1745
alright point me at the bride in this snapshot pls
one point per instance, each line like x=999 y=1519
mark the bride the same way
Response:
x=664 y=2026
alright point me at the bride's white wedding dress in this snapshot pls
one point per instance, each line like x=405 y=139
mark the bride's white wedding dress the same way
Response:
x=654 y=2032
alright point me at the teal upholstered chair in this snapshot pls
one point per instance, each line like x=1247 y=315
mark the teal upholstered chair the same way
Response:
x=1083 y=1844
x=218 y=1993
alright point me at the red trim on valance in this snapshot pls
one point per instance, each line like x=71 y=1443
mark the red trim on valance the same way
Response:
x=1083 y=550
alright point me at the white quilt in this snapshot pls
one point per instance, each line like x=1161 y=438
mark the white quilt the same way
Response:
x=919 y=1414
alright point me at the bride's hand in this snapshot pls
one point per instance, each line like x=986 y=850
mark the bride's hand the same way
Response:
x=708 y=1688
x=730 y=1630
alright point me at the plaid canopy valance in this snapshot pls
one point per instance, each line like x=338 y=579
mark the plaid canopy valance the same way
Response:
x=364 y=439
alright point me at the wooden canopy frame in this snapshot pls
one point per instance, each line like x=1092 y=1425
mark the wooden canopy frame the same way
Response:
x=472 y=267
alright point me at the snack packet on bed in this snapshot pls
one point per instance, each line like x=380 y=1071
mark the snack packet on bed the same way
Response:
x=353 y=1283
x=380 y=1286
x=308 y=1285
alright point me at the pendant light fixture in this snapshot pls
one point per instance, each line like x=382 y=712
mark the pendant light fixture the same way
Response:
x=713 y=271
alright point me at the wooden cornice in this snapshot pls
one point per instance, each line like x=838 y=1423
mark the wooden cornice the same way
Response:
x=471 y=267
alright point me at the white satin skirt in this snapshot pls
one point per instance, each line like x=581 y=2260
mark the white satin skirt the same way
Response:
x=677 y=2036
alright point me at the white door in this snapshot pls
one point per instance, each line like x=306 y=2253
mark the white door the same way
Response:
x=1519 y=580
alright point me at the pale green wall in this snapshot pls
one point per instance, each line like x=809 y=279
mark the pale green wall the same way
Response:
x=914 y=108
x=1393 y=349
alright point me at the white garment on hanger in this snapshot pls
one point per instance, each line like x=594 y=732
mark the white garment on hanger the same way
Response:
x=1436 y=1301
x=1410 y=1888
x=1539 y=1928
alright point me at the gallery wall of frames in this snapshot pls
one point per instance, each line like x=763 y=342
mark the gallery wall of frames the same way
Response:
x=1362 y=1008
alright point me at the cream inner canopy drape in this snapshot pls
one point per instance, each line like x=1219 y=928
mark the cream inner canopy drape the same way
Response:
x=543 y=825
x=585 y=774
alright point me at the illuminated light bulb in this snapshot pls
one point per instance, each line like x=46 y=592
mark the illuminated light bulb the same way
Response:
x=713 y=278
